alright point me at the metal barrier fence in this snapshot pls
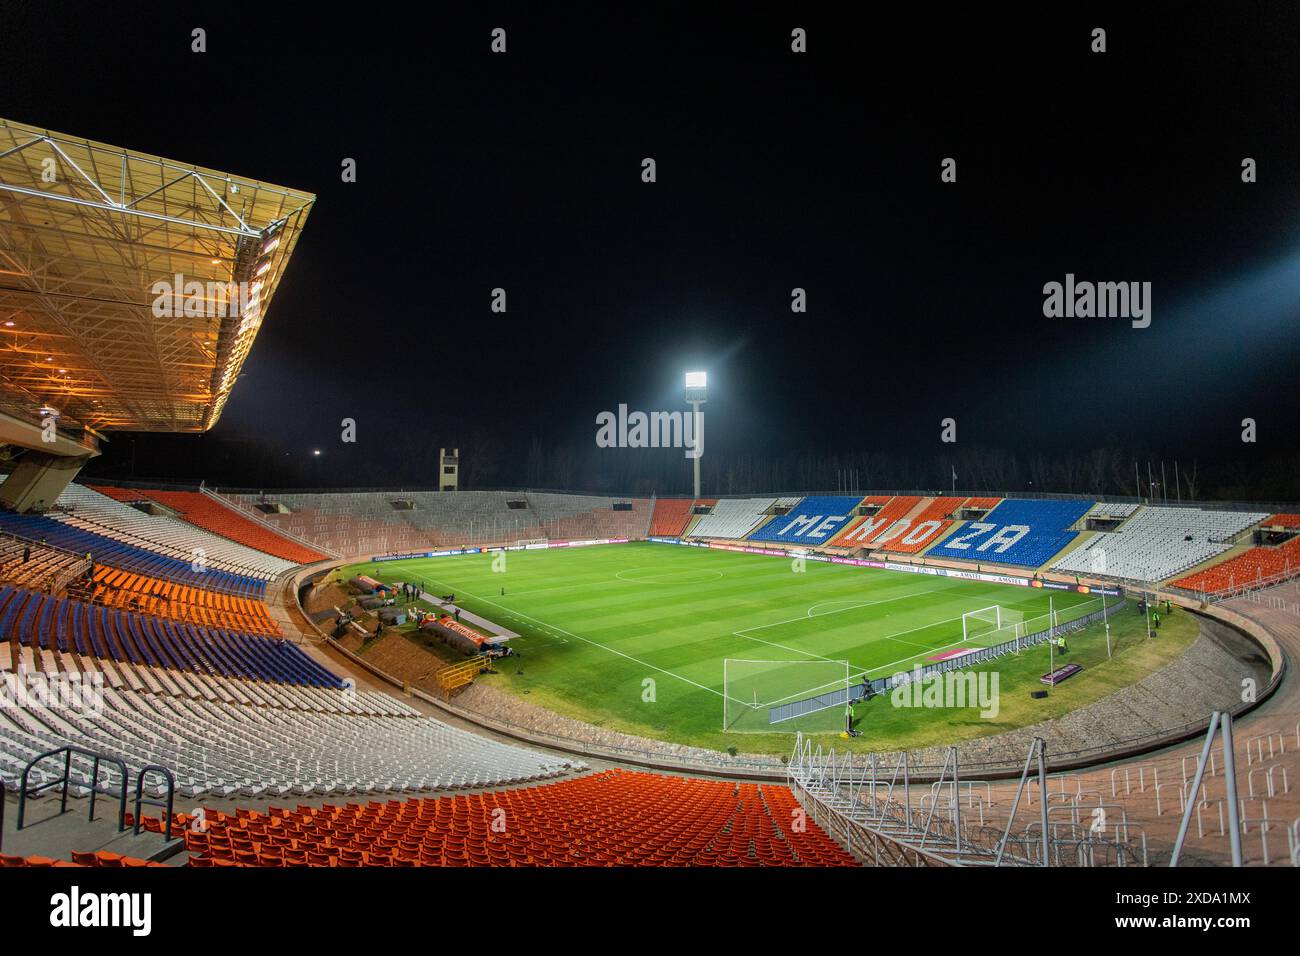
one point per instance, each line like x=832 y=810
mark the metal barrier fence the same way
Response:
x=1251 y=586
x=856 y=692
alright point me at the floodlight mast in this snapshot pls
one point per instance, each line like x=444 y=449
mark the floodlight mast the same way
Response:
x=697 y=392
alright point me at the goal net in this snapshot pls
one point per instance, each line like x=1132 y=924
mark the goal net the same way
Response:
x=979 y=624
x=784 y=696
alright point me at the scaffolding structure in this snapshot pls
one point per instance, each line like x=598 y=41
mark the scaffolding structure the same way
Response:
x=898 y=814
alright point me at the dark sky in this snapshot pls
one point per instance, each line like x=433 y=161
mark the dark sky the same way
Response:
x=775 y=170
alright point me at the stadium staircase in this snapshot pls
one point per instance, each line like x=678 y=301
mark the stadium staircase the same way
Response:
x=452 y=677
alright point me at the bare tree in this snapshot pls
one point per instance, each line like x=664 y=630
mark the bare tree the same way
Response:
x=1193 y=481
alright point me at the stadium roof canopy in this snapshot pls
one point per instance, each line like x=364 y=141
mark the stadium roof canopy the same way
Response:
x=131 y=286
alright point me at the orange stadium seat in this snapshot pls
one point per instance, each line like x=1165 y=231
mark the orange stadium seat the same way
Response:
x=102 y=858
x=1257 y=564
x=115 y=587
x=201 y=511
x=925 y=527
x=613 y=818
x=1283 y=520
x=671 y=517
x=862 y=531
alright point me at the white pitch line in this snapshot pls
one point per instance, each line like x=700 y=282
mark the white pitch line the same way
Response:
x=904 y=660
x=587 y=640
x=883 y=637
x=806 y=616
x=568 y=587
x=795 y=650
x=922 y=646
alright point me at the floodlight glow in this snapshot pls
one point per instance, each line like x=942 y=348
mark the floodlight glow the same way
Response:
x=697 y=379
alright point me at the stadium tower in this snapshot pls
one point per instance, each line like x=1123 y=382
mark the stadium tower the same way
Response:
x=449 y=469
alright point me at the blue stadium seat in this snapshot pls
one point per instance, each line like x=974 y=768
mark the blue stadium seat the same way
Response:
x=813 y=521
x=113 y=552
x=45 y=621
x=1023 y=532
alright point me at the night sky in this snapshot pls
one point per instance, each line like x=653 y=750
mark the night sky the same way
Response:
x=775 y=171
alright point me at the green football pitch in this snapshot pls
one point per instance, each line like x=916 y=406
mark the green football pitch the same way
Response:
x=697 y=645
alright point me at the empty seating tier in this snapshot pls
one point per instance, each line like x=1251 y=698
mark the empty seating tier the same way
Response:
x=814 y=521
x=1022 y=532
x=399 y=522
x=115 y=587
x=1158 y=543
x=32 y=566
x=239 y=738
x=865 y=530
x=205 y=512
x=614 y=818
x=575 y=517
x=85 y=508
x=732 y=518
x=62 y=624
x=671 y=517
x=361 y=523
x=107 y=550
x=1258 y=565
x=914 y=533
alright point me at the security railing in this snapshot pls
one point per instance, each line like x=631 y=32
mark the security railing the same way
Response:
x=65 y=778
x=167 y=805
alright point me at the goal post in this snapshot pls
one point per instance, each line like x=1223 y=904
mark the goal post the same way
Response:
x=766 y=696
x=986 y=620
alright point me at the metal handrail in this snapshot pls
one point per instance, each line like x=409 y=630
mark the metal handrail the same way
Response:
x=67 y=752
x=38 y=544
x=141 y=800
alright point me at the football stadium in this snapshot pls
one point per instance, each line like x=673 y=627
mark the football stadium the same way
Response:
x=301 y=564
